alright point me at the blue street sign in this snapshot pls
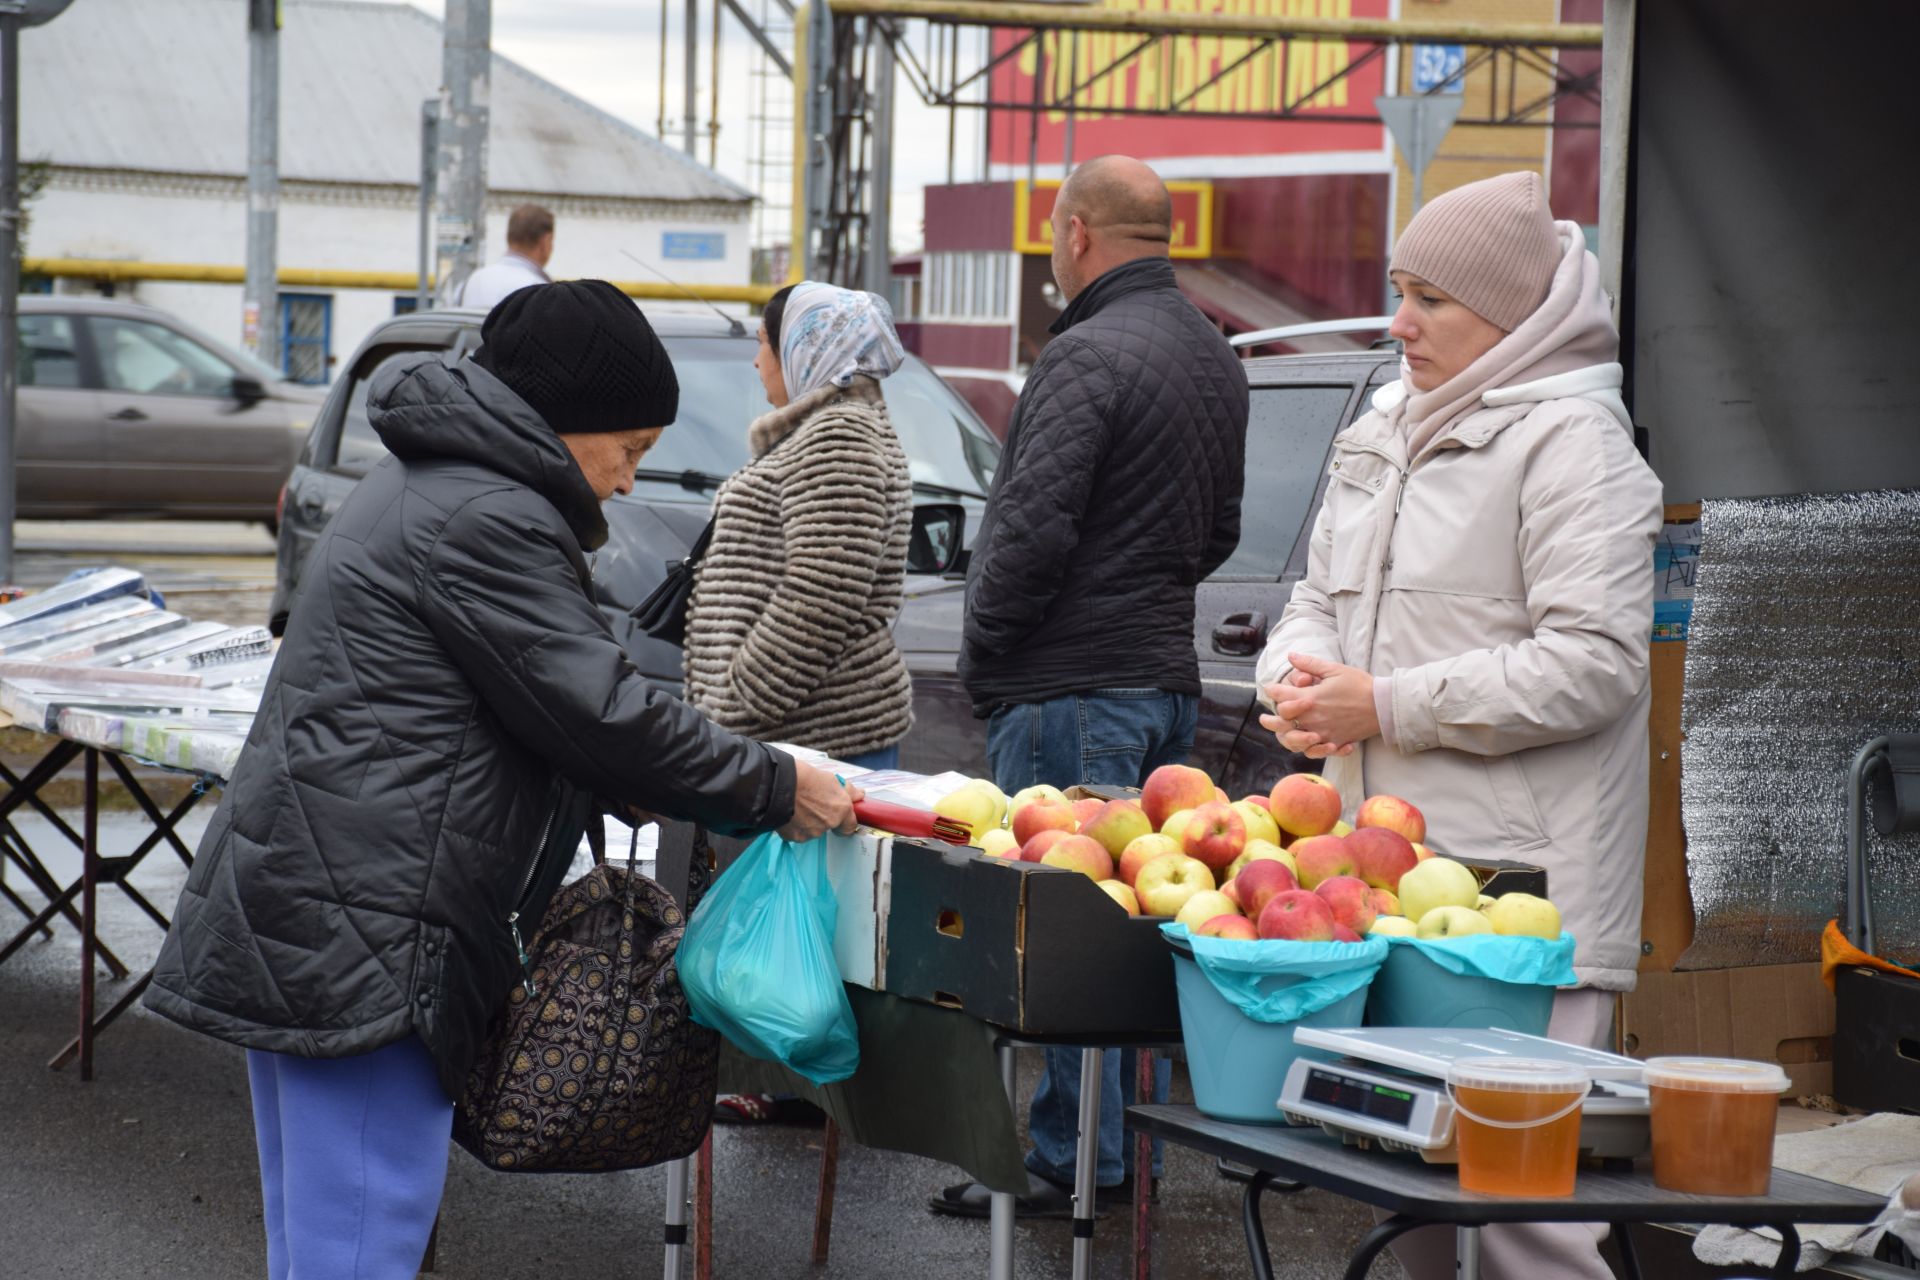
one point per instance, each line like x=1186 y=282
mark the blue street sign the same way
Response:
x=1435 y=64
x=693 y=246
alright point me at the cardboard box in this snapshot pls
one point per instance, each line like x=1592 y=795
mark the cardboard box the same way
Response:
x=1769 y=1013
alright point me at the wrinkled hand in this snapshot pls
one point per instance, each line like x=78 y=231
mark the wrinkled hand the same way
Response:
x=820 y=804
x=1322 y=708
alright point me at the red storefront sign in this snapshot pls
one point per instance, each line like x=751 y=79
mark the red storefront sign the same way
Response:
x=1192 y=217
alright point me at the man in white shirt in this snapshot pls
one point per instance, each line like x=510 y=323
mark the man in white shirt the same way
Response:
x=529 y=247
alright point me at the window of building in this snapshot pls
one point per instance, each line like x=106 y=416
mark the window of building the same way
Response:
x=968 y=285
x=405 y=304
x=47 y=354
x=306 y=336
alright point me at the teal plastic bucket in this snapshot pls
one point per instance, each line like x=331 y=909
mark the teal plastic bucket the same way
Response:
x=1237 y=1065
x=1412 y=991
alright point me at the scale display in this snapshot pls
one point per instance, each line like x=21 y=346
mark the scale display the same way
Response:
x=1361 y=1097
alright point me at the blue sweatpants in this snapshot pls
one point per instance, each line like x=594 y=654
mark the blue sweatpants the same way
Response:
x=353 y=1158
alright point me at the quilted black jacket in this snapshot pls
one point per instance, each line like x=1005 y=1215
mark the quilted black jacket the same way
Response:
x=1119 y=490
x=445 y=700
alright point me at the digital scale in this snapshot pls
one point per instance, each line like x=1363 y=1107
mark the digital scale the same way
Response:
x=1387 y=1087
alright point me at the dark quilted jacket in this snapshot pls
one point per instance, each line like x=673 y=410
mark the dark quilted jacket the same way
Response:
x=446 y=699
x=1118 y=492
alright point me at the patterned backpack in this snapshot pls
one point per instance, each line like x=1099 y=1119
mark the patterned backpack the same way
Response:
x=602 y=1068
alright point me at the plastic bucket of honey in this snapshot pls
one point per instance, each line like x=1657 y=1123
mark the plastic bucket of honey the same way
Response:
x=1713 y=1124
x=1517 y=1123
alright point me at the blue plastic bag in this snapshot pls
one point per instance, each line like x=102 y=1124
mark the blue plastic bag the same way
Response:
x=757 y=961
x=1546 y=962
x=1273 y=981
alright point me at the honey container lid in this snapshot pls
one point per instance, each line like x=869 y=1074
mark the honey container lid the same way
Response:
x=1716 y=1075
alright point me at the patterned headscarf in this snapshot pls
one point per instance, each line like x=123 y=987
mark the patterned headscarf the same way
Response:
x=829 y=335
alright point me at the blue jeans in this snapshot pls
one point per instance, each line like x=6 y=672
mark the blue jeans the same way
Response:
x=1106 y=736
x=885 y=758
x=353 y=1158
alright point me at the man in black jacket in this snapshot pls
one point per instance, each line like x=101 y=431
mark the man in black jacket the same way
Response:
x=447 y=710
x=1118 y=492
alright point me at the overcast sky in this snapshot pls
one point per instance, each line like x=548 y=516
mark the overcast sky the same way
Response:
x=608 y=52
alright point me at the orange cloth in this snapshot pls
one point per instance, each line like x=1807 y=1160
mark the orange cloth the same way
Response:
x=1836 y=951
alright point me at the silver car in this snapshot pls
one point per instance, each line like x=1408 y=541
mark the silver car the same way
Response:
x=125 y=410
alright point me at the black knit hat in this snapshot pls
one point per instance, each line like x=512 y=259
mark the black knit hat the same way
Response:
x=582 y=356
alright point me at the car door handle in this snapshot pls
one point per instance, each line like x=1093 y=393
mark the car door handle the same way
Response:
x=1240 y=634
x=312 y=504
x=128 y=414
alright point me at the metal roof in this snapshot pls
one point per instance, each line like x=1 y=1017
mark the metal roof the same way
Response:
x=161 y=85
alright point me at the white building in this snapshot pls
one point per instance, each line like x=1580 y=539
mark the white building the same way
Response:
x=140 y=109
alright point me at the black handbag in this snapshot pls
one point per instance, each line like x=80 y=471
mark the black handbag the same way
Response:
x=663 y=614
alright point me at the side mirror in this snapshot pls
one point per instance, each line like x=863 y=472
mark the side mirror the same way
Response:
x=936 y=544
x=247 y=391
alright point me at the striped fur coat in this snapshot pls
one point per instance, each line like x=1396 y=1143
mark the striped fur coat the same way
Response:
x=789 y=635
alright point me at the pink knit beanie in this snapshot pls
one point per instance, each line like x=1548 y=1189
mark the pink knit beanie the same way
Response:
x=1491 y=244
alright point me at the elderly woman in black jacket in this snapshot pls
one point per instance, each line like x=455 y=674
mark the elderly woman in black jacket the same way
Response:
x=446 y=702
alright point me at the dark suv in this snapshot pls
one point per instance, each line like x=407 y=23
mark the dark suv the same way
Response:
x=1298 y=403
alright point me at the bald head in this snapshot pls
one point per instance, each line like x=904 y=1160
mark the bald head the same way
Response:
x=1111 y=210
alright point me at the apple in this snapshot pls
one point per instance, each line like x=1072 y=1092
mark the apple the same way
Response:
x=1381 y=857
x=1082 y=854
x=1437 y=882
x=1260 y=824
x=1043 y=814
x=1393 y=814
x=1305 y=804
x=1484 y=902
x=1122 y=895
x=1298 y=916
x=1028 y=795
x=1318 y=858
x=1260 y=883
x=1258 y=850
x=1174 y=825
x=1522 y=915
x=1140 y=852
x=1259 y=802
x=1347 y=897
x=1171 y=788
x=1421 y=851
x=1453 y=922
x=1085 y=809
x=1341 y=829
x=1384 y=903
x=1164 y=885
x=1225 y=926
x=1393 y=927
x=999 y=843
x=1204 y=906
x=1343 y=934
x=1232 y=890
x=1117 y=824
x=1219 y=794
x=980 y=809
x=1037 y=848
x=1214 y=834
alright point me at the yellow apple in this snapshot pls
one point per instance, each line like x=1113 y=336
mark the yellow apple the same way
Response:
x=1522 y=915
x=1204 y=906
x=1175 y=824
x=1393 y=927
x=1482 y=905
x=1258 y=849
x=999 y=843
x=1122 y=895
x=1260 y=823
x=1437 y=882
x=1164 y=885
x=982 y=811
x=1453 y=922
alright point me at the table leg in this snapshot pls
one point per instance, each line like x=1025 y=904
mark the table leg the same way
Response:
x=703 y=1209
x=89 y=869
x=1466 y=1253
x=1086 y=1162
x=1000 y=1204
x=676 y=1217
x=823 y=1197
x=1629 y=1255
x=1256 y=1230
x=1789 y=1260
x=1376 y=1240
x=1142 y=1171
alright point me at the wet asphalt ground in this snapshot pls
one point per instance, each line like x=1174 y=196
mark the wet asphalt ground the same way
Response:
x=149 y=1170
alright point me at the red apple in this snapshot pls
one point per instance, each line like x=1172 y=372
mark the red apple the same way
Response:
x=1343 y=934
x=1305 y=804
x=1318 y=858
x=1116 y=825
x=1084 y=810
x=1229 y=927
x=1082 y=854
x=1044 y=814
x=1140 y=852
x=1298 y=916
x=1036 y=848
x=1171 y=788
x=1216 y=834
x=1260 y=882
x=1165 y=884
x=1347 y=897
x=1380 y=857
x=1260 y=801
x=1232 y=889
x=1384 y=903
x=1220 y=795
x=1394 y=814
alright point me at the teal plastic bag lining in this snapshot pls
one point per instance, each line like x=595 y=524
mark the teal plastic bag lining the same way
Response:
x=1273 y=981
x=1546 y=962
x=757 y=961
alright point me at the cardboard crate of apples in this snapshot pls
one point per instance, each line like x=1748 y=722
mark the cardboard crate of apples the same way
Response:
x=1283 y=865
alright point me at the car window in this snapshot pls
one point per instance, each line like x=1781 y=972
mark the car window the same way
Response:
x=359 y=447
x=1289 y=429
x=47 y=354
x=139 y=356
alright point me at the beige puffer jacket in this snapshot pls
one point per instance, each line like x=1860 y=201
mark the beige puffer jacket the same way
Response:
x=1502 y=578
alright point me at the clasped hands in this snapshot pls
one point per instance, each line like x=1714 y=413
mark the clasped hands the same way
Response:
x=1322 y=708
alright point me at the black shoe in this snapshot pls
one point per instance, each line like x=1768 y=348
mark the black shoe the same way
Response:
x=1045 y=1198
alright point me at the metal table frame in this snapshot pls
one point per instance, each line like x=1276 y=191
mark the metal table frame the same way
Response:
x=1420 y=1195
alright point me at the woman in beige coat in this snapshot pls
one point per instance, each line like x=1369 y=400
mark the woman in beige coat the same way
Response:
x=1473 y=629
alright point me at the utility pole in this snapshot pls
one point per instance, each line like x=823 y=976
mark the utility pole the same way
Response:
x=429 y=174
x=880 y=182
x=260 y=317
x=467 y=80
x=690 y=117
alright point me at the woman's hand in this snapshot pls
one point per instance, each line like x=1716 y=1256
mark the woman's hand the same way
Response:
x=1322 y=708
x=821 y=803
